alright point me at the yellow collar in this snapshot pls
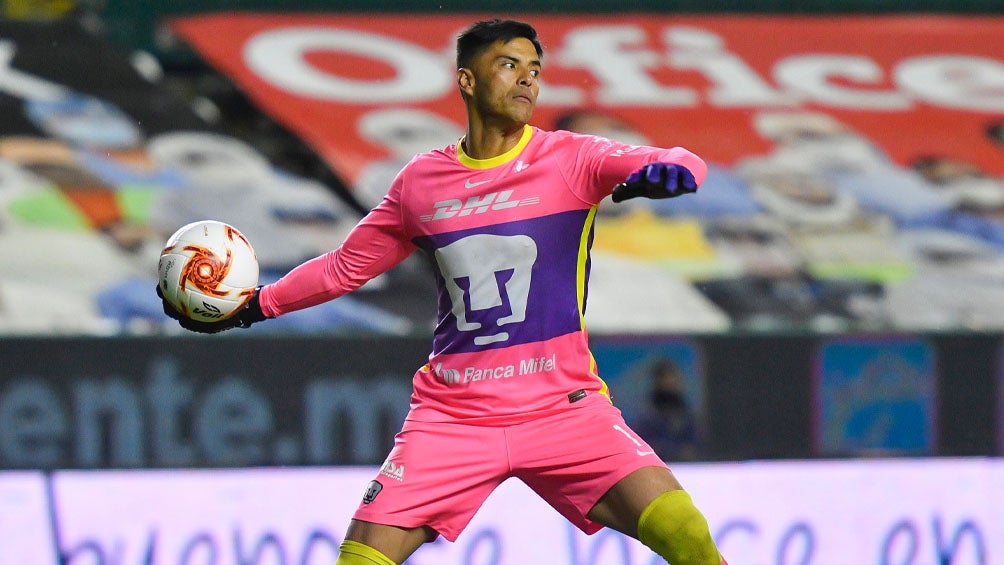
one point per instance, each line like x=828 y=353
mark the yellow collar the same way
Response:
x=498 y=160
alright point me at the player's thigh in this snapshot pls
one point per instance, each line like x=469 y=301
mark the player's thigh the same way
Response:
x=622 y=505
x=574 y=459
x=437 y=475
x=395 y=542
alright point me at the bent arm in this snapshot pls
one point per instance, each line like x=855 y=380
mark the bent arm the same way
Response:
x=617 y=167
x=604 y=163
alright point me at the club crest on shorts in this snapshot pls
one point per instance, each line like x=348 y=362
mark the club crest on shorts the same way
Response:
x=372 y=490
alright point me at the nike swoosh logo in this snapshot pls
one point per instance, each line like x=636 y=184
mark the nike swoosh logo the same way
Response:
x=470 y=184
x=644 y=453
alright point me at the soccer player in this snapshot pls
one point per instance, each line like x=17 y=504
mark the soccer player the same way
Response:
x=505 y=216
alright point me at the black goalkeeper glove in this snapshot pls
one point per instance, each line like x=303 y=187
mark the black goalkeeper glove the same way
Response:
x=656 y=180
x=249 y=314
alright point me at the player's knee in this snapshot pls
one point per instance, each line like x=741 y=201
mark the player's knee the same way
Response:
x=355 y=553
x=675 y=529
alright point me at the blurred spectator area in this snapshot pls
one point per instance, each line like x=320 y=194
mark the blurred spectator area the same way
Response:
x=136 y=24
x=822 y=231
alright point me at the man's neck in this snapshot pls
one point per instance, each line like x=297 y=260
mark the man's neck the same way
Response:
x=484 y=142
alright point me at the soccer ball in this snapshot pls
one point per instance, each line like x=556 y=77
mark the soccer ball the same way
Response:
x=208 y=271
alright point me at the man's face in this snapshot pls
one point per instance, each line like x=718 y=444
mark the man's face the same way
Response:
x=504 y=81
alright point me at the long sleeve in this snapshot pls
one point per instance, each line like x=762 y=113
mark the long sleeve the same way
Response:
x=601 y=163
x=373 y=247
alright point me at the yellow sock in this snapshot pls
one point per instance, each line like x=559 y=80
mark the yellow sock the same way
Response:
x=355 y=553
x=675 y=529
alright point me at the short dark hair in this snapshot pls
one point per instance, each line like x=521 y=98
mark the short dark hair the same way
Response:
x=996 y=132
x=481 y=35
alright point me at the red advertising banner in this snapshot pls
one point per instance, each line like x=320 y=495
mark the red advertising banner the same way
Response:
x=856 y=164
x=368 y=89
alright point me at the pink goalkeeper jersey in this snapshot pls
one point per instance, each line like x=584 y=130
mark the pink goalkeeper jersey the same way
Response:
x=509 y=240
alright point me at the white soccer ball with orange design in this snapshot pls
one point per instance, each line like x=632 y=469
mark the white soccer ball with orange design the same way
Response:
x=208 y=270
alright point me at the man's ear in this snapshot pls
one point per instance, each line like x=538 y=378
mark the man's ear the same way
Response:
x=465 y=80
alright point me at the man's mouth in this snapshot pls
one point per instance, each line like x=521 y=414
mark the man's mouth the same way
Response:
x=524 y=96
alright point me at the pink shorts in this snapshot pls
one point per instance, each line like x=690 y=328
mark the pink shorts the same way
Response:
x=439 y=473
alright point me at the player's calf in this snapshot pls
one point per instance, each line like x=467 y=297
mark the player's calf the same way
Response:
x=676 y=530
x=355 y=553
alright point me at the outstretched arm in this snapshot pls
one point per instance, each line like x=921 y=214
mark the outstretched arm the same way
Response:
x=370 y=249
x=373 y=247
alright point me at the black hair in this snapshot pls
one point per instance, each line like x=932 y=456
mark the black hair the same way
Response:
x=482 y=35
x=565 y=120
x=996 y=131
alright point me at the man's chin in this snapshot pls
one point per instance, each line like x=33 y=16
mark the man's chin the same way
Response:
x=523 y=115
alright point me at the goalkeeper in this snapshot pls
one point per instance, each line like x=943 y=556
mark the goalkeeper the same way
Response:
x=505 y=217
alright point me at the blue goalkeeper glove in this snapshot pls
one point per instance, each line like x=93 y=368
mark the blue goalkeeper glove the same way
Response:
x=656 y=180
x=249 y=314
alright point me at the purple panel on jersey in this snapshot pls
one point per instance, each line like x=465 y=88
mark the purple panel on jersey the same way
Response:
x=506 y=284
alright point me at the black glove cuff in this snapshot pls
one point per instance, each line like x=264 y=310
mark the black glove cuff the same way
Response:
x=625 y=191
x=251 y=312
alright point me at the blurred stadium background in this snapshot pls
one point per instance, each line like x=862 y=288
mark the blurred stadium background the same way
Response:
x=836 y=287
x=835 y=292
